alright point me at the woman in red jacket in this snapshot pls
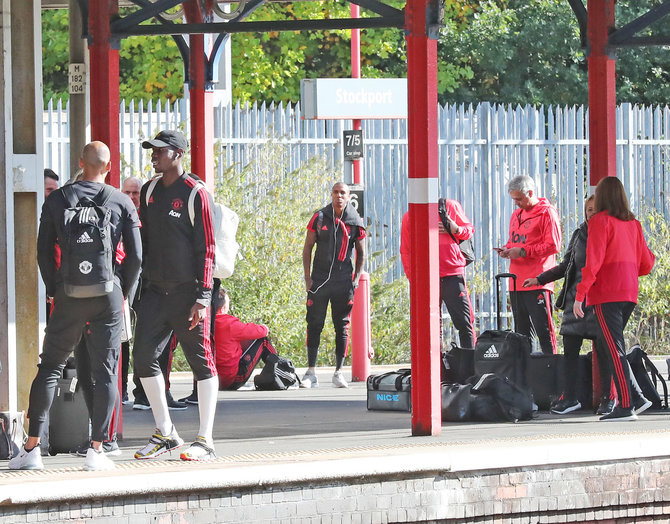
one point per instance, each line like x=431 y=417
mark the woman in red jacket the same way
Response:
x=239 y=346
x=616 y=255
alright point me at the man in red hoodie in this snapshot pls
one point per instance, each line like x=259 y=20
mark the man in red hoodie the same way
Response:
x=534 y=240
x=453 y=287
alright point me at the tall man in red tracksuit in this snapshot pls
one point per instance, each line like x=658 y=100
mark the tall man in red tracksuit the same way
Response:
x=534 y=240
x=453 y=288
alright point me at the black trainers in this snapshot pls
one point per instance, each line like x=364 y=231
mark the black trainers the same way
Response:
x=191 y=399
x=564 y=406
x=641 y=404
x=619 y=413
x=606 y=406
x=174 y=405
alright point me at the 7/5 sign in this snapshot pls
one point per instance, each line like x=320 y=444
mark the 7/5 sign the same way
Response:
x=352 y=139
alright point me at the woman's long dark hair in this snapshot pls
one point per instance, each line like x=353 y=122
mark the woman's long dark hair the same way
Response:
x=611 y=197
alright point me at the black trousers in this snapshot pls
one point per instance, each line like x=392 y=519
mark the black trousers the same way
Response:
x=454 y=294
x=532 y=317
x=160 y=313
x=99 y=319
x=256 y=350
x=612 y=319
x=340 y=294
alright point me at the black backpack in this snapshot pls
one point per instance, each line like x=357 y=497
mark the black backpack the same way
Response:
x=647 y=377
x=278 y=373
x=87 y=262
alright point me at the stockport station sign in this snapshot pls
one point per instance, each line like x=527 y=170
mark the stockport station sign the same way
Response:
x=355 y=98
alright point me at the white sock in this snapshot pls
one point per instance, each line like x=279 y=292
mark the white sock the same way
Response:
x=207 y=392
x=154 y=388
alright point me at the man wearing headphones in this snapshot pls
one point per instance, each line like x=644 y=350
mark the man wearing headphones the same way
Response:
x=336 y=230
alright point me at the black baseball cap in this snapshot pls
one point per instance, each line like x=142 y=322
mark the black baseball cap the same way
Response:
x=167 y=139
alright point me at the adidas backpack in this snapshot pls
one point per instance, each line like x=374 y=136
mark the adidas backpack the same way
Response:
x=225 y=222
x=87 y=262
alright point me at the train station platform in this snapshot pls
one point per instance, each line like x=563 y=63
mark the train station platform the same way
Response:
x=318 y=455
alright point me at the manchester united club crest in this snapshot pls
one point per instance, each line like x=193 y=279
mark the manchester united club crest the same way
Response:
x=177 y=204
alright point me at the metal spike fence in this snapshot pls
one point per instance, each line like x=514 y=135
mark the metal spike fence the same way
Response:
x=480 y=148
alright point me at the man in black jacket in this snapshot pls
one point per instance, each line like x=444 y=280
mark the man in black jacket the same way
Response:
x=336 y=230
x=97 y=317
x=177 y=278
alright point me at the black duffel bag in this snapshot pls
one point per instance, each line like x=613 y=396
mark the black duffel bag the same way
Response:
x=458 y=364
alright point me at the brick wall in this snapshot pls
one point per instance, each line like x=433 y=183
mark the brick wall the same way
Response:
x=621 y=491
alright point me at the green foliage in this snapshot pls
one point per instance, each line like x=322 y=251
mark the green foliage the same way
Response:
x=55 y=53
x=650 y=322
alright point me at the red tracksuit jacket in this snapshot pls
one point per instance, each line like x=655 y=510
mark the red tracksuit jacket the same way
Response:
x=538 y=231
x=451 y=258
x=616 y=255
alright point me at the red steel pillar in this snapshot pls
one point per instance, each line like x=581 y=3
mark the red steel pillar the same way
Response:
x=104 y=96
x=361 y=339
x=202 y=103
x=423 y=216
x=602 y=91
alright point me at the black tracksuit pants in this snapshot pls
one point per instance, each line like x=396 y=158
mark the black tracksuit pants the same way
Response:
x=99 y=319
x=160 y=313
x=340 y=294
x=532 y=317
x=454 y=294
x=611 y=346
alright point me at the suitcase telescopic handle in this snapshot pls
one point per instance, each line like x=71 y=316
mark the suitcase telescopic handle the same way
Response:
x=498 y=278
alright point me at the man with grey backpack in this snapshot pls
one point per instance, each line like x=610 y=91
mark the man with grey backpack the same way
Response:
x=86 y=220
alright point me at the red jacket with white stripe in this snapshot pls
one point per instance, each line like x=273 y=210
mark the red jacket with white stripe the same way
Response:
x=616 y=255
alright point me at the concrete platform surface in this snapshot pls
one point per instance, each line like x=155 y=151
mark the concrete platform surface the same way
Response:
x=302 y=434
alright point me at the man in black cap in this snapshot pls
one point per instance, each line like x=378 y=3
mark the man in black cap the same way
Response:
x=177 y=277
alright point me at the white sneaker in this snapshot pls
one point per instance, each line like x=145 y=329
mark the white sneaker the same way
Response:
x=27 y=459
x=309 y=381
x=199 y=450
x=97 y=461
x=338 y=380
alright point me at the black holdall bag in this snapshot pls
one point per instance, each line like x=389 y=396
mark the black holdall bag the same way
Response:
x=458 y=364
x=467 y=247
x=390 y=391
x=455 y=402
x=497 y=399
x=87 y=265
x=277 y=374
x=647 y=377
x=503 y=352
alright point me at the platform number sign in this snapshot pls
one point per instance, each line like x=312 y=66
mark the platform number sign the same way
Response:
x=353 y=144
x=356 y=199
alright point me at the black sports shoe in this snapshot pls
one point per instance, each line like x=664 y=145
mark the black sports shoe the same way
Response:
x=191 y=399
x=173 y=404
x=141 y=403
x=606 y=406
x=641 y=404
x=564 y=406
x=619 y=413
x=109 y=447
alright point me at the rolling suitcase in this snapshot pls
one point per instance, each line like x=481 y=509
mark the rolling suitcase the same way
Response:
x=503 y=352
x=68 y=417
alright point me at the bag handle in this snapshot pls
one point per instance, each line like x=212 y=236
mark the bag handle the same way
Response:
x=498 y=277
